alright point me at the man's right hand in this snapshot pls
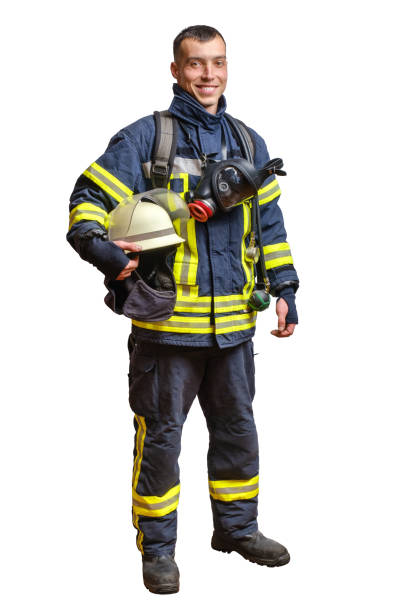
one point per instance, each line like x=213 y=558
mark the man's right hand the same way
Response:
x=133 y=263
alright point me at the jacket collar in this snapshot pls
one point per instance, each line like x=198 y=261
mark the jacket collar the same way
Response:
x=186 y=108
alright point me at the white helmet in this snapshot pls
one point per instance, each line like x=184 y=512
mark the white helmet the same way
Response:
x=146 y=219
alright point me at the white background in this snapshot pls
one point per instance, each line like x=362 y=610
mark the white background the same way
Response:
x=324 y=83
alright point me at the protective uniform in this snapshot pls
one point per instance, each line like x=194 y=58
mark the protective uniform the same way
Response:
x=205 y=347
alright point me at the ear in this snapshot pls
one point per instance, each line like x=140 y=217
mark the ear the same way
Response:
x=174 y=70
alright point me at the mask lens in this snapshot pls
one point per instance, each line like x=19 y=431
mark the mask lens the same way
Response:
x=232 y=187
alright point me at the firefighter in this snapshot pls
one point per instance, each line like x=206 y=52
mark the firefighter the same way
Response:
x=204 y=348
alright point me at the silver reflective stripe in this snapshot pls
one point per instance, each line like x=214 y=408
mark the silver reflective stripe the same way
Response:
x=148 y=235
x=232 y=490
x=220 y=323
x=180 y=164
x=185 y=290
x=207 y=305
x=235 y=302
x=183 y=280
x=204 y=324
x=157 y=506
x=277 y=255
x=101 y=177
x=270 y=191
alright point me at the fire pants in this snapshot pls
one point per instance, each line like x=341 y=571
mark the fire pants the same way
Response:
x=163 y=383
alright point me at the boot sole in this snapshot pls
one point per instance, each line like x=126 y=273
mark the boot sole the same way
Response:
x=162 y=589
x=283 y=560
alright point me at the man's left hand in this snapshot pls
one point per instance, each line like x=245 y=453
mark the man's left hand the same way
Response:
x=284 y=329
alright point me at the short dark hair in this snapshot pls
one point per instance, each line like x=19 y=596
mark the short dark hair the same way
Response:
x=202 y=33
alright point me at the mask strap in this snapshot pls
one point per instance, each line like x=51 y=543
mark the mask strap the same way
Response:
x=223 y=144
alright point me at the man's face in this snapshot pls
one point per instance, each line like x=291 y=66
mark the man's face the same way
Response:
x=201 y=70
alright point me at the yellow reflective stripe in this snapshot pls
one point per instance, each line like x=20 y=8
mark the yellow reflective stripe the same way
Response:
x=185 y=306
x=277 y=255
x=186 y=259
x=184 y=177
x=151 y=505
x=279 y=246
x=270 y=198
x=234 y=323
x=183 y=293
x=184 y=325
x=248 y=268
x=230 y=303
x=88 y=217
x=221 y=484
x=281 y=261
x=231 y=490
x=155 y=513
x=188 y=300
x=203 y=304
x=202 y=325
x=108 y=182
x=88 y=212
x=187 y=292
x=269 y=192
x=223 y=303
x=235 y=496
x=267 y=187
x=140 y=535
x=140 y=438
x=192 y=244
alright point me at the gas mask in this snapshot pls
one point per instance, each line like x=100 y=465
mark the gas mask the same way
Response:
x=227 y=184
x=223 y=186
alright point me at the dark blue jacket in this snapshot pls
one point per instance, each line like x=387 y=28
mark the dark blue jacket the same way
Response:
x=214 y=279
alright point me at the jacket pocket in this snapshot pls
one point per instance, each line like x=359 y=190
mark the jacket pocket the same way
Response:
x=143 y=385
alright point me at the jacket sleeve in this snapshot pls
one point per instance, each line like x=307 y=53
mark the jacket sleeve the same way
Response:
x=278 y=256
x=115 y=175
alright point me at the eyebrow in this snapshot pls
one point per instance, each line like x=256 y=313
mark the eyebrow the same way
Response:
x=202 y=58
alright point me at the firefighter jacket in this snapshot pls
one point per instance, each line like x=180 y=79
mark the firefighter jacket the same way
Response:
x=213 y=276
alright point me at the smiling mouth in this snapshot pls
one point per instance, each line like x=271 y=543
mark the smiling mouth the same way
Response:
x=207 y=89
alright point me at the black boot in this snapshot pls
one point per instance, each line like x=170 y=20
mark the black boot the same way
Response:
x=160 y=574
x=254 y=547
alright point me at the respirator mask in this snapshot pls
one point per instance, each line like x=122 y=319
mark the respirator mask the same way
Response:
x=226 y=184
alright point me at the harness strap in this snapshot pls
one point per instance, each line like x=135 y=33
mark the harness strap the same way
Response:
x=164 y=148
x=242 y=132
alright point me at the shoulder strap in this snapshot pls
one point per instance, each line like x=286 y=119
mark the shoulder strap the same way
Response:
x=164 y=150
x=244 y=136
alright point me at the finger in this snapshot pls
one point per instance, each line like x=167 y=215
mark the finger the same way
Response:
x=285 y=333
x=281 y=322
x=130 y=267
x=128 y=246
x=133 y=263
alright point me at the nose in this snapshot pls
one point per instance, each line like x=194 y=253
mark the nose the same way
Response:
x=208 y=72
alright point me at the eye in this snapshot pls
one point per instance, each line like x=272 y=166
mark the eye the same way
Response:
x=194 y=64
